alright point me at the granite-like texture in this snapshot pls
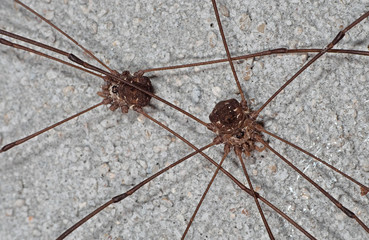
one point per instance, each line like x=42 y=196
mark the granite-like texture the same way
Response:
x=51 y=182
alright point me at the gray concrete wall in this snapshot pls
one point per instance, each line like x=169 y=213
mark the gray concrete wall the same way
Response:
x=51 y=182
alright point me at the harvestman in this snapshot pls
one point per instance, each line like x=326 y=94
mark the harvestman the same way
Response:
x=203 y=118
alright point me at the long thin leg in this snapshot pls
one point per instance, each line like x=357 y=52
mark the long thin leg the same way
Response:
x=364 y=189
x=227 y=51
x=64 y=33
x=226 y=151
x=239 y=155
x=20 y=141
x=259 y=54
x=339 y=36
x=21 y=47
x=122 y=196
x=330 y=197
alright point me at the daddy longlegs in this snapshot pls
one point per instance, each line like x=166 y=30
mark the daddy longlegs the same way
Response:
x=327 y=105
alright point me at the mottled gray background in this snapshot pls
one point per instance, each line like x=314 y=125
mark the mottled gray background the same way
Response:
x=49 y=183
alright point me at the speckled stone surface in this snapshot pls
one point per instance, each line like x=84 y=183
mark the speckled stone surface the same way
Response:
x=51 y=182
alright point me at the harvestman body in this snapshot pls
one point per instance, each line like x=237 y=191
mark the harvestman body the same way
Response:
x=114 y=107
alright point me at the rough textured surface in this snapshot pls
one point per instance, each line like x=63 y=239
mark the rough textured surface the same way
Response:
x=51 y=182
